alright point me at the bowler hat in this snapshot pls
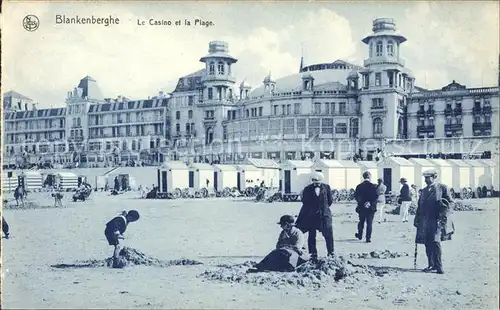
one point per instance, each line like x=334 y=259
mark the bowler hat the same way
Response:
x=402 y=180
x=286 y=219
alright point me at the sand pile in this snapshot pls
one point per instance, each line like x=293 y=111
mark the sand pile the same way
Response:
x=129 y=257
x=318 y=274
x=460 y=206
x=133 y=257
x=378 y=254
x=411 y=210
x=28 y=205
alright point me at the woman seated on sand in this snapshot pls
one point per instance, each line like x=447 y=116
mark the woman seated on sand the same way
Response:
x=289 y=252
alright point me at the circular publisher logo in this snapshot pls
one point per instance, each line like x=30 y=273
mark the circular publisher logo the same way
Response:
x=31 y=22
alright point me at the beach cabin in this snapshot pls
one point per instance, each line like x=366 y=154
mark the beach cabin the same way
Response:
x=247 y=176
x=9 y=180
x=461 y=175
x=444 y=171
x=66 y=180
x=199 y=175
x=295 y=175
x=478 y=174
x=421 y=165
x=270 y=171
x=491 y=171
x=333 y=172
x=225 y=176
x=172 y=175
x=133 y=177
x=392 y=169
x=32 y=180
x=371 y=167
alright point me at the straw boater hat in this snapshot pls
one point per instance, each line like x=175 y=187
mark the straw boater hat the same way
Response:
x=317 y=176
x=430 y=173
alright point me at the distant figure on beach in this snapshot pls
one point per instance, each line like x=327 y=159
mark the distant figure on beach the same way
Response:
x=116 y=184
x=207 y=182
x=405 y=198
x=115 y=229
x=315 y=214
x=381 y=203
x=289 y=252
x=433 y=220
x=5 y=228
x=366 y=197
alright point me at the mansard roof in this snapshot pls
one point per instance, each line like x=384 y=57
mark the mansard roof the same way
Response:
x=38 y=113
x=130 y=105
x=15 y=94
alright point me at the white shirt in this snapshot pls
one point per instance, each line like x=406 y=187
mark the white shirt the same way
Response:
x=317 y=190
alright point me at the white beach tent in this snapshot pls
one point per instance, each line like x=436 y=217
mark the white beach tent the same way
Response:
x=270 y=171
x=444 y=171
x=461 y=174
x=66 y=180
x=199 y=174
x=421 y=165
x=295 y=175
x=392 y=169
x=172 y=175
x=247 y=176
x=371 y=167
x=33 y=180
x=492 y=172
x=339 y=174
x=9 y=184
x=225 y=176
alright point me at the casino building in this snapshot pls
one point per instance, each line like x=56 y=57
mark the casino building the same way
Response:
x=330 y=110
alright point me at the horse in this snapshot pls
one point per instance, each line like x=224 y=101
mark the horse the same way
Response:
x=20 y=194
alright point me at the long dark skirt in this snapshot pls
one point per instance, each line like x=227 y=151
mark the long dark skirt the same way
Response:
x=280 y=260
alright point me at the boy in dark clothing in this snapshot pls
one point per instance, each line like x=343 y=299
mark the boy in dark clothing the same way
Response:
x=115 y=229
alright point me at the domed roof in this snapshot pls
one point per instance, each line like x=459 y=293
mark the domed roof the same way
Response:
x=244 y=84
x=268 y=78
x=329 y=78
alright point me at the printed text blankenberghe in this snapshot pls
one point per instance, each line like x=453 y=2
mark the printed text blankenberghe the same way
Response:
x=92 y=20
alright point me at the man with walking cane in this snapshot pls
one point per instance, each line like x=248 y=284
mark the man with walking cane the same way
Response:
x=433 y=221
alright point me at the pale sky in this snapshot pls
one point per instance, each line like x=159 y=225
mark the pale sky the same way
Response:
x=446 y=41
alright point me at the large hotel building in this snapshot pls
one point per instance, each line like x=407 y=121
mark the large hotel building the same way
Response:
x=329 y=110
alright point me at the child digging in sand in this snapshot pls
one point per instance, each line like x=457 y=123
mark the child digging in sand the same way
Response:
x=115 y=229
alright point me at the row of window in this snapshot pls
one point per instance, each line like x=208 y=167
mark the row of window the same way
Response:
x=119 y=118
x=31 y=125
x=390 y=48
x=220 y=68
x=178 y=114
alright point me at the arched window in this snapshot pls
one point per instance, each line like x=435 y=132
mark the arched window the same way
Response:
x=390 y=48
x=377 y=126
x=124 y=145
x=371 y=49
x=177 y=128
x=211 y=68
x=220 y=67
x=379 y=46
x=134 y=145
x=190 y=114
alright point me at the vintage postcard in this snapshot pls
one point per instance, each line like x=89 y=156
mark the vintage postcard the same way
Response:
x=250 y=155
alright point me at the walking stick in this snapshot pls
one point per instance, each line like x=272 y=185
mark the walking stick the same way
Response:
x=415 y=257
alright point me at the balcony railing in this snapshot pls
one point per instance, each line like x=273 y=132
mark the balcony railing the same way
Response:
x=421 y=113
x=481 y=126
x=452 y=127
x=430 y=112
x=428 y=128
x=487 y=109
x=448 y=111
x=476 y=110
x=458 y=111
x=374 y=106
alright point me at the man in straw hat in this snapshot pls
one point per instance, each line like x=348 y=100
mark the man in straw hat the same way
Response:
x=315 y=214
x=433 y=220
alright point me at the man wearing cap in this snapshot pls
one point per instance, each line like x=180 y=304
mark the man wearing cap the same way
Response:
x=289 y=249
x=433 y=220
x=366 y=197
x=315 y=214
x=405 y=198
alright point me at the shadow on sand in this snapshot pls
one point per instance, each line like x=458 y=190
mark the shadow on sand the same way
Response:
x=92 y=264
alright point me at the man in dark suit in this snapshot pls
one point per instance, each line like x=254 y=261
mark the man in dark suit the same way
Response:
x=366 y=196
x=315 y=214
